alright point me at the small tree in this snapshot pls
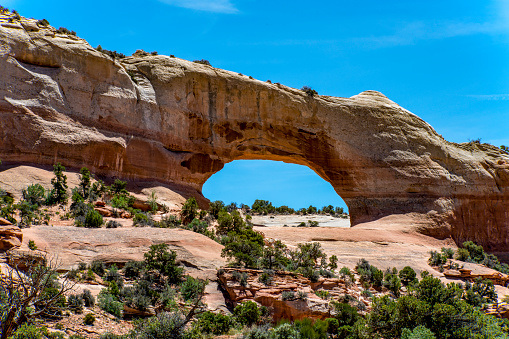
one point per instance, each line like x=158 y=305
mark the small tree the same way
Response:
x=85 y=182
x=158 y=258
x=58 y=194
x=29 y=294
x=189 y=211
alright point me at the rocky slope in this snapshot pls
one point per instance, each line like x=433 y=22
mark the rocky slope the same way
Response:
x=162 y=118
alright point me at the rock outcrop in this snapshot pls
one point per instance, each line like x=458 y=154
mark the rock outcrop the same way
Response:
x=10 y=235
x=305 y=303
x=162 y=118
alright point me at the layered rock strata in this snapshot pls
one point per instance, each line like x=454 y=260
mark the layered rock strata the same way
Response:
x=162 y=118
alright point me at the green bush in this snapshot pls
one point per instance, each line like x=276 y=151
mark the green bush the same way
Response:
x=344 y=313
x=420 y=332
x=34 y=195
x=288 y=295
x=98 y=267
x=203 y=62
x=192 y=288
x=257 y=332
x=159 y=259
x=163 y=326
x=214 y=323
x=113 y=224
x=189 y=210
x=265 y=278
x=285 y=331
x=27 y=331
x=89 y=319
x=108 y=303
x=75 y=303
x=88 y=298
x=407 y=276
x=31 y=245
x=93 y=219
x=133 y=269
x=247 y=313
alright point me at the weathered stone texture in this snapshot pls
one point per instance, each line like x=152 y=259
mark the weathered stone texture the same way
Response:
x=175 y=121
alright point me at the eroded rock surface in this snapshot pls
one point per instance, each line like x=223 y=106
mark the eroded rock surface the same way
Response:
x=166 y=119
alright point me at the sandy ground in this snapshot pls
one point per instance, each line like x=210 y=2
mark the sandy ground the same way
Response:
x=295 y=220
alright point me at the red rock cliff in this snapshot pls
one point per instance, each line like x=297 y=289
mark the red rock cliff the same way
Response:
x=164 y=118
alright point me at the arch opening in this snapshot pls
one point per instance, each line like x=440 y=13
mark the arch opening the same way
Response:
x=283 y=184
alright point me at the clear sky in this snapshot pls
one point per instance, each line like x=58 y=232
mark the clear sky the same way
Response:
x=446 y=61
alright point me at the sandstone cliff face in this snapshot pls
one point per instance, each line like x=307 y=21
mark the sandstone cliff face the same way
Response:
x=175 y=121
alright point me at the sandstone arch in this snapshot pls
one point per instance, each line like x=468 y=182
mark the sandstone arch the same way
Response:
x=162 y=118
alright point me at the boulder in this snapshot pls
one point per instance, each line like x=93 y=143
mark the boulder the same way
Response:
x=10 y=237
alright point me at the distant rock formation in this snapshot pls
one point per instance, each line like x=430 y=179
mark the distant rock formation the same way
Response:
x=162 y=118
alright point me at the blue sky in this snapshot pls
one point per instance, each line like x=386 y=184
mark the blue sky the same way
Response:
x=446 y=61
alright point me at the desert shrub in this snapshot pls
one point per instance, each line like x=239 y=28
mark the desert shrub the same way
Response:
x=143 y=219
x=75 y=303
x=165 y=325
x=113 y=224
x=308 y=328
x=346 y=274
x=476 y=252
x=462 y=254
x=63 y=30
x=34 y=195
x=323 y=294
x=189 y=210
x=437 y=259
x=392 y=282
x=344 y=313
x=31 y=245
x=247 y=313
x=243 y=248
x=215 y=207
x=114 y=275
x=257 y=332
x=108 y=303
x=98 y=267
x=27 y=331
x=159 y=259
x=265 y=278
x=407 y=276
x=333 y=262
x=302 y=295
x=88 y=298
x=43 y=22
x=420 y=332
x=447 y=252
x=203 y=62
x=288 y=295
x=214 y=323
x=285 y=331
x=132 y=269
x=367 y=294
x=170 y=221
x=137 y=297
x=192 y=288
x=369 y=273
x=89 y=319
x=93 y=219
x=122 y=201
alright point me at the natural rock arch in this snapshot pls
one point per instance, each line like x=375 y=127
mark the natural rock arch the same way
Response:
x=163 y=118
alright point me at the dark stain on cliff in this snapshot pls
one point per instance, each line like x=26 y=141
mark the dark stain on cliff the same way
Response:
x=202 y=163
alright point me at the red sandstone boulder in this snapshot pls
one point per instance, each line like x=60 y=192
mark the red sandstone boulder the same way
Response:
x=10 y=237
